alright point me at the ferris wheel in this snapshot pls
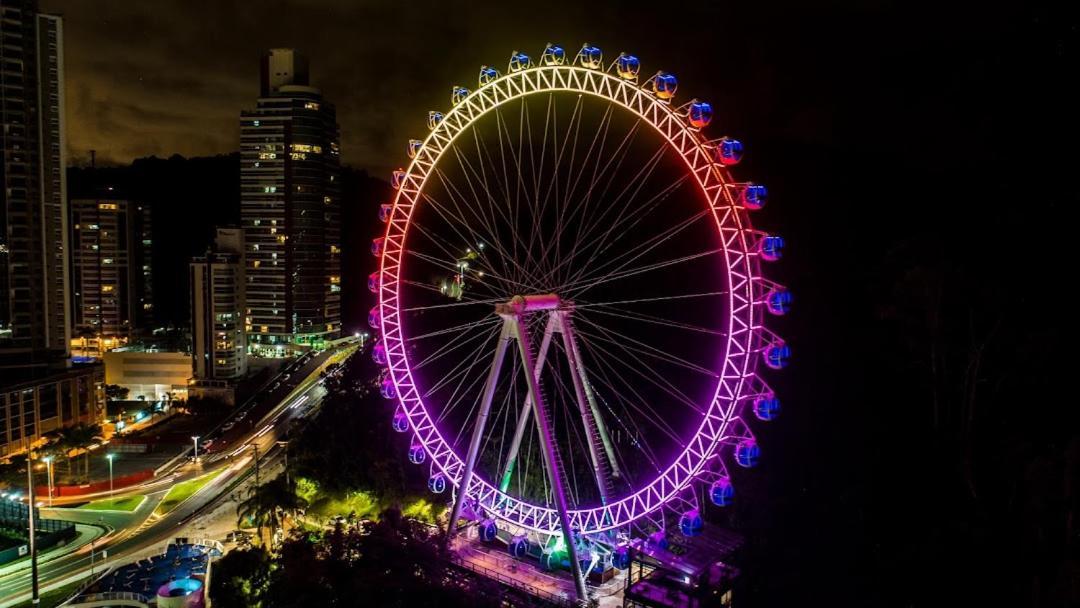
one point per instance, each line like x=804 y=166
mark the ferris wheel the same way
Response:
x=571 y=308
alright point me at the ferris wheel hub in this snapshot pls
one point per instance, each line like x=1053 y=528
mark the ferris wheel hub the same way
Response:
x=521 y=304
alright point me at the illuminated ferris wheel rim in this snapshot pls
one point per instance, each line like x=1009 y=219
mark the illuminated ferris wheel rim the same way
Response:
x=736 y=380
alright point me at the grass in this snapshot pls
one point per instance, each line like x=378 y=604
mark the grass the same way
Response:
x=183 y=490
x=125 y=503
x=49 y=599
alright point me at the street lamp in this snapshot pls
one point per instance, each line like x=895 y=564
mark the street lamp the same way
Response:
x=195 y=438
x=285 y=444
x=48 y=464
x=110 y=457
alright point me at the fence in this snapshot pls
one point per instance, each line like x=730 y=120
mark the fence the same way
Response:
x=98 y=486
x=502 y=578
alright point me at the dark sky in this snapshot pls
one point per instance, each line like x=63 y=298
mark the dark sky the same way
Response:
x=171 y=76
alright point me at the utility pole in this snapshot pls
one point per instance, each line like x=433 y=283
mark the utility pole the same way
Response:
x=256 y=447
x=35 y=600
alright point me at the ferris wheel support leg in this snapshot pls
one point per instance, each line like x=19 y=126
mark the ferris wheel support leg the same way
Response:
x=526 y=408
x=551 y=456
x=576 y=375
x=590 y=396
x=478 y=431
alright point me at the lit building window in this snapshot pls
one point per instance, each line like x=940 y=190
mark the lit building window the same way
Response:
x=107 y=206
x=311 y=105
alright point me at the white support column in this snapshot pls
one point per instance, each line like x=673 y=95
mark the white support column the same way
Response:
x=609 y=449
x=551 y=456
x=526 y=409
x=508 y=333
x=587 y=418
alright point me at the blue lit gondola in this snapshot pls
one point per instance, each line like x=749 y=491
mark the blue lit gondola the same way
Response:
x=767 y=408
x=771 y=248
x=374 y=319
x=747 y=453
x=434 y=117
x=721 y=492
x=777 y=355
x=519 y=61
x=377 y=246
x=487 y=74
x=627 y=66
x=753 y=196
x=378 y=354
x=656 y=541
x=779 y=301
x=458 y=95
x=385 y=210
x=417 y=455
x=729 y=152
x=387 y=388
x=621 y=558
x=699 y=114
x=553 y=55
x=437 y=483
x=401 y=421
x=487 y=530
x=664 y=85
x=691 y=523
x=414 y=147
x=373 y=282
x=518 y=547
x=590 y=57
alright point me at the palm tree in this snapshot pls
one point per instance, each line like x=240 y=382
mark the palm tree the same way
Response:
x=271 y=505
x=80 y=438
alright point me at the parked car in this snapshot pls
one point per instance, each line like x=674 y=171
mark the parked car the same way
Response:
x=228 y=425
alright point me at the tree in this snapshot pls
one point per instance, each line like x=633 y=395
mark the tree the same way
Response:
x=271 y=505
x=241 y=578
x=115 y=392
x=79 y=438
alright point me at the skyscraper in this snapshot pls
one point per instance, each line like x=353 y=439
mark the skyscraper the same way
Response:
x=111 y=266
x=219 y=347
x=34 y=324
x=40 y=389
x=290 y=210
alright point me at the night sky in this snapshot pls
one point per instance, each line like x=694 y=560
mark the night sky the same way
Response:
x=916 y=159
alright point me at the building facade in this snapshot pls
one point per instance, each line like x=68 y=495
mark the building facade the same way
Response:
x=290 y=211
x=113 y=288
x=34 y=287
x=219 y=345
x=38 y=406
x=40 y=389
x=153 y=375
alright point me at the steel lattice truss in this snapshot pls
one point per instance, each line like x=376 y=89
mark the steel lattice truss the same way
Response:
x=737 y=384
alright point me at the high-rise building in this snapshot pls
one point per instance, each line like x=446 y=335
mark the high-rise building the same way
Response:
x=219 y=347
x=111 y=249
x=290 y=210
x=34 y=321
x=40 y=388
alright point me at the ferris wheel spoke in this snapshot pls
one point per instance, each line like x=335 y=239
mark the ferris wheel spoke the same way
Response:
x=568 y=212
x=460 y=200
x=639 y=403
x=452 y=267
x=601 y=217
x=705 y=294
x=459 y=372
x=633 y=188
x=447 y=214
x=496 y=209
x=586 y=272
x=638 y=316
x=442 y=264
x=450 y=330
x=576 y=289
x=505 y=259
x=653 y=378
x=558 y=156
x=622 y=260
x=603 y=179
x=624 y=341
x=455 y=343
